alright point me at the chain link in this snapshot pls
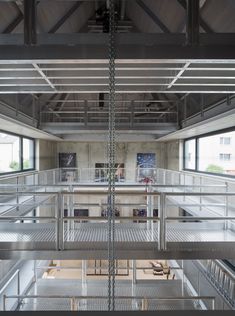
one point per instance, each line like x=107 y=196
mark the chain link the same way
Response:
x=111 y=160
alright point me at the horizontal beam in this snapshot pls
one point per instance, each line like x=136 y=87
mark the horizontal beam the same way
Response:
x=129 y=46
x=117 y=101
x=145 y=39
x=119 y=89
x=103 y=137
x=140 y=129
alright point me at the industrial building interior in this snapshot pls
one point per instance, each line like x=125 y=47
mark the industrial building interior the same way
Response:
x=117 y=155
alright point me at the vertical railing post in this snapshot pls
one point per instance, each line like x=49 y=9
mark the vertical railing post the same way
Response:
x=54 y=177
x=133 y=285
x=144 y=305
x=60 y=222
x=17 y=193
x=200 y=198
x=149 y=208
x=74 y=304
x=35 y=271
x=162 y=224
x=164 y=177
x=57 y=212
x=213 y=304
x=226 y=207
x=80 y=175
x=18 y=286
x=34 y=183
x=84 y=267
x=4 y=302
x=133 y=272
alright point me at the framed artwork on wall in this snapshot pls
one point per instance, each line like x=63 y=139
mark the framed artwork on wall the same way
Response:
x=143 y=213
x=78 y=213
x=67 y=162
x=146 y=163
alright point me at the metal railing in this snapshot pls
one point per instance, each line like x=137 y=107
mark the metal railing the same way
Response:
x=75 y=303
x=222 y=278
x=96 y=175
x=15 y=276
x=154 y=224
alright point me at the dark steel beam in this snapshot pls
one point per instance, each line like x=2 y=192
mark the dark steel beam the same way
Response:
x=44 y=53
x=192 y=22
x=58 y=105
x=30 y=22
x=153 y=16
x=10 y=28
x=65 y=17
x=203 y=24
x=144 y=39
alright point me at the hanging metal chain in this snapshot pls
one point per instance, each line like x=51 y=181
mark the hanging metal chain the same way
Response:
x=111 y=160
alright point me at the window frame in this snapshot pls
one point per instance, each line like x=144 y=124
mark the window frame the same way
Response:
x=196 y=170
x=21 y=158
x=184 y=154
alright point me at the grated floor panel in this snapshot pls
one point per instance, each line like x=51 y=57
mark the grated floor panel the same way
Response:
x=158 y=288
x=125 y=233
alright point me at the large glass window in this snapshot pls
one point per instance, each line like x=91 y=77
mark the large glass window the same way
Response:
x=9 y=153
x=28 y=153
x=214 y=153
x=190 y=154
x=16 y=153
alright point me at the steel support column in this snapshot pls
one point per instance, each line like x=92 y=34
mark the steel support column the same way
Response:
x=193 y=22
x=30 y=25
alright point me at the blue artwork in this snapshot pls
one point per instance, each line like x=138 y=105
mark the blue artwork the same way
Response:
x=146 y=162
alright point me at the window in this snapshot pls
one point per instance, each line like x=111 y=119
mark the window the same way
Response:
x=28 y=153
x=190 y=154
x=225 y=157
x=206 y=153
x=225 y=140
x=17 y=153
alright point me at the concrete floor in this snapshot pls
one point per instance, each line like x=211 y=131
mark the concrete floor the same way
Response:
x=143 y=274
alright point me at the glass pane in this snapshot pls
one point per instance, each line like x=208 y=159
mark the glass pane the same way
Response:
x=217 y=153
x=28 y=153
x=190 y=154
x=9 y=153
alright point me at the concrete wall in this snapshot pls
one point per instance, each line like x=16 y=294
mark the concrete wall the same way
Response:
x=90 y=153
x=172 y=155
x=46 y=154
x=168 y=155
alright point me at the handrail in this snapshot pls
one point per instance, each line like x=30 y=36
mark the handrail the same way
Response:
x=225 y=269
x=200 y=218
x=117 y=297
x=26 y=217
x=143 y=300
x=18 y=174
x=119 y=268
x=144 y=193
x=16 y=273
x=72 y=185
